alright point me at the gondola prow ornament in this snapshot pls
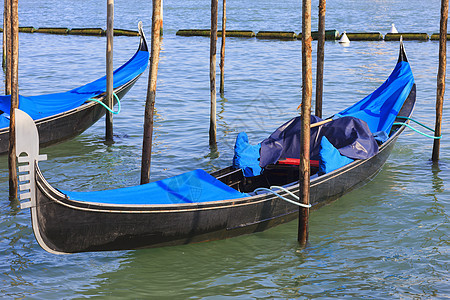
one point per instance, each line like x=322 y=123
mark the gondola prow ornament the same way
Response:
x=27 y=152
x=27 y=142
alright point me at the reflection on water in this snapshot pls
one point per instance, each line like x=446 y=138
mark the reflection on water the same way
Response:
x=438 y=182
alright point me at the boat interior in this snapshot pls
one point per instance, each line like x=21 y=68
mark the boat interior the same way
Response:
x=273 y=175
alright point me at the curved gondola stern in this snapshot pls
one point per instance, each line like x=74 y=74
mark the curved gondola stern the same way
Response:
x=27 y=153
x=402 y=52
x=143 y=44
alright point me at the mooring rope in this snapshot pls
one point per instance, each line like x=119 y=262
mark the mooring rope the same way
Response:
x=412 y=128
x=106 y=106
x=281 y=197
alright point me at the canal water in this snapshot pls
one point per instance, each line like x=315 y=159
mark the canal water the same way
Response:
x=388 y=239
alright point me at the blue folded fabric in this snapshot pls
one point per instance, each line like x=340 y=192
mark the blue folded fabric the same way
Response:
x=246 y=156
x=330 y=158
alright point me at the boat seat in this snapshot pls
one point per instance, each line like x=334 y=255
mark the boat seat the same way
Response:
x=296 y=162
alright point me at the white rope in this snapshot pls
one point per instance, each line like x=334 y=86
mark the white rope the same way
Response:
x=283 y=198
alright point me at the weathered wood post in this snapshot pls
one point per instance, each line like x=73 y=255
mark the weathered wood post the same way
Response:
x=14 y=46
x=162 y=18
x=320 y=58
x=5 y=30
x=151 y=93
x=304 y=175
x=4 y=35
x=222 y=50
x=6 y=45
x=109 y=68
x=441 y=78
x=212 y=73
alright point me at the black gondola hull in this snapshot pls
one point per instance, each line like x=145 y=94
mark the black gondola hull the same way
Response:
x=69 y=226
x=62 y=225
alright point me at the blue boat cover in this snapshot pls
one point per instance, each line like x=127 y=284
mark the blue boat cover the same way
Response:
x=353 y=130
x=191 y=187
x=351 y=136
x=380 y=108
x=50 y=104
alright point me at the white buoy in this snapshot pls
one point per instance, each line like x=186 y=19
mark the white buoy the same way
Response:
x=393 y=29
x=344 y=39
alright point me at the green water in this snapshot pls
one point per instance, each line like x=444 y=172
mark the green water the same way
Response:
x=388 y=239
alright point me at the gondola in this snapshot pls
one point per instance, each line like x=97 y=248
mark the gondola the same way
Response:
x=197 y=206
x=61 y=116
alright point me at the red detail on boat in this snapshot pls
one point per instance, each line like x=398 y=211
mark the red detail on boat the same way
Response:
x=296 y=162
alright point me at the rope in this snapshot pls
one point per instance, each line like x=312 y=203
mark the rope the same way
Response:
x=281 y=197
x=106 y=106
x=417 y=122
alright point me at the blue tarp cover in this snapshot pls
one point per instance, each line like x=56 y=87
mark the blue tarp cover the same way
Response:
x=352 y=132
x=191 y=187
x=50 y=104
x=351 y=136
x=284 y=142
x=380 y=108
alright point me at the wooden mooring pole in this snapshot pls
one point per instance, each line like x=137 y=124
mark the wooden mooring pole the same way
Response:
x=5 y=30
x=161 y=21
x=151 y=93
x=109 y=69
x=212 y=73
x=14 y=49
x=304 y=175
x=441 y=78
x=320 y=58
x=222 y=50
x=6 y=46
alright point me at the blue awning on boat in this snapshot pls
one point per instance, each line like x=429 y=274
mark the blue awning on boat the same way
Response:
x=42 y=106
x=192 y=187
